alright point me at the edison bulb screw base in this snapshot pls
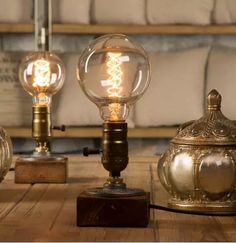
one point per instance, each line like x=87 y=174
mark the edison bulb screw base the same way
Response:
x=114 y=204
x=41 y=166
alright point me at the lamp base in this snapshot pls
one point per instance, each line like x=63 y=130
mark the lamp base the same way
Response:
x=119 y=211
x=41 y=169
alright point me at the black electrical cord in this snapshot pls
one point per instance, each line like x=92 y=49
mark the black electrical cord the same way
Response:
x=173 y=210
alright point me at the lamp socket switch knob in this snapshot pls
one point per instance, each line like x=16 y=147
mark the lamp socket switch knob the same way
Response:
x=61 y=128
x=87 y=151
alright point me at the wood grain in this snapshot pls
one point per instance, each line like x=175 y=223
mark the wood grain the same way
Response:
x=41 y=171
x=126 y=29
x=47 y=212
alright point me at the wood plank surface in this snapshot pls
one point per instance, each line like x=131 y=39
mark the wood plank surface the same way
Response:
x=126 y=29
x=144 y=29
x=47 y=212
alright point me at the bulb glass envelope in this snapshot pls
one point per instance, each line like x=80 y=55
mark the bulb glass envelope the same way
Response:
x=113 y=71
x=42 y=74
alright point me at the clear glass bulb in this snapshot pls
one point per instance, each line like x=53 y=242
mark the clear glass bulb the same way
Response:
x=42 y=74
x=114 y=72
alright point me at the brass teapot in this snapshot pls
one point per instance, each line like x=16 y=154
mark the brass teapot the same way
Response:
x=199 y=168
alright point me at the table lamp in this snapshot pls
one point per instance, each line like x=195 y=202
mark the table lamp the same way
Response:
x=42 y=74
x=113 y=72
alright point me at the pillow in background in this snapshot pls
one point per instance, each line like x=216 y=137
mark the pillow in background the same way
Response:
x=221 y=76
x=16 y=11
x=179 y=11
x=71 y=11
x=119 y=12
x=176 y=91
x=16 y=104
x=225 y=12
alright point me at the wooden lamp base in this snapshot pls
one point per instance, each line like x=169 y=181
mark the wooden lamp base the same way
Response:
x=129 y=211
x=50 y=170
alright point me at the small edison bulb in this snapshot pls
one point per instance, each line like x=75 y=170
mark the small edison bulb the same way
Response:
x=114 y=72
x=42 y=74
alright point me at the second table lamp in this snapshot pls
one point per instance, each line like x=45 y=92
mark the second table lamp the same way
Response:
x=41 y=74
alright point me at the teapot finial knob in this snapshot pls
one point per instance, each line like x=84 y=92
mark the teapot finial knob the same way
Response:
x=213 y=101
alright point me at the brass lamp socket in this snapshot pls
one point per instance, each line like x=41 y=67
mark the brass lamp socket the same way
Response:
x=115 y=147
x=42 y=127
x=115 y=159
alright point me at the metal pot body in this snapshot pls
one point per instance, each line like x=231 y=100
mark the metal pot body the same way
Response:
x=5 y=153
x=200 y=177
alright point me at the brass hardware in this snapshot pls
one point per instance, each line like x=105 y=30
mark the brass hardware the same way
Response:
x=115 y=147
x=114 y=152
x=199 y=168
x=115 y=159
x=212 y=129
x=42 y=166
x=42 y=128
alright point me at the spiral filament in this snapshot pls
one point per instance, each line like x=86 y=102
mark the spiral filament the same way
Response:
x=115 y=73
x=42 y=74
x=115 y=79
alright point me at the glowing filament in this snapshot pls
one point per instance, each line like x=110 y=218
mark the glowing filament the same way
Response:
x=115 y=79
x=42 y=73
x=115 y=73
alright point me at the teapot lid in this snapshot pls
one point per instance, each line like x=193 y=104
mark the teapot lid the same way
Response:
x=211 y=129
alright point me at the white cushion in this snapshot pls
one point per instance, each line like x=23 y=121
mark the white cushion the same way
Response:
x=15 y=11
x=73 y=107
x=16 y=104
x=179 y=11
x=221 y=76
x=176 y=90
x=119 y=11
x=225 y=11
x=71 y=11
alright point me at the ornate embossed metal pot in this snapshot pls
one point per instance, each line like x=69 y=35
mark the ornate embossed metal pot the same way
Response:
x=199 y=168
x=5 y=153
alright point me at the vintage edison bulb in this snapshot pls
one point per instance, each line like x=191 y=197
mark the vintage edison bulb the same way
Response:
x=113 y=71
x=42 y=74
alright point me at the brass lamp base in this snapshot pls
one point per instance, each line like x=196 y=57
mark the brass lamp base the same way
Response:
x=41 y=169
x=210 y=207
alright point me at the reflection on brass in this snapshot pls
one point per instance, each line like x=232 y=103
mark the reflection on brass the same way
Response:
x=199 y=168
x=42 y=128
x=115 y=150
x=115 y=159
x=41 y=166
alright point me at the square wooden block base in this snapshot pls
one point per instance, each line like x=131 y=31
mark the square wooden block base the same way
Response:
x=39 y=171
x=96 y=211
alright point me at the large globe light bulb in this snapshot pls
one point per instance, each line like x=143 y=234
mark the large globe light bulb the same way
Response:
x=114 y=72
x=42 y=74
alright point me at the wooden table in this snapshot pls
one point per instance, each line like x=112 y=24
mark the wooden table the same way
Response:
x=47 y=212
